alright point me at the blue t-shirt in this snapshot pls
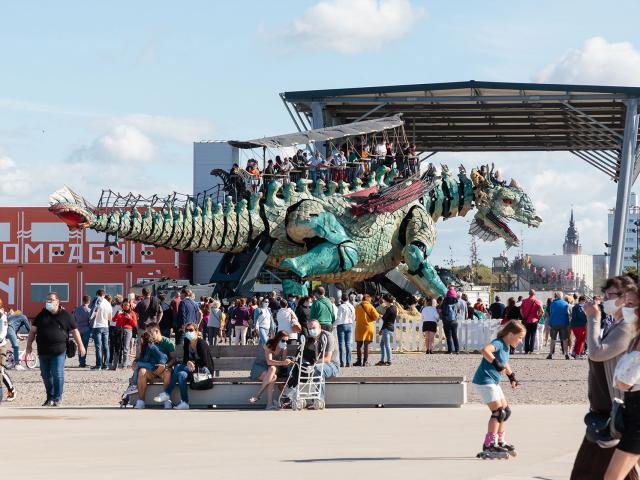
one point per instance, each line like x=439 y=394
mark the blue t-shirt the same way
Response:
x=559 y=313
x=486 y=374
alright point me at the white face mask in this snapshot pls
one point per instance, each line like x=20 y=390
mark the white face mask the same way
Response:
x=629 y=314
x=610 y=307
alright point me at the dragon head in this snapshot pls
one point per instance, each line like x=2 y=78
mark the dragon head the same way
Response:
x=72 y=209
x=496 y=204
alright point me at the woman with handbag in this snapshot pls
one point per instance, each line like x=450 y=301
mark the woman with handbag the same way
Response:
x=627 y=378
x=288 y=322
x=196 y=359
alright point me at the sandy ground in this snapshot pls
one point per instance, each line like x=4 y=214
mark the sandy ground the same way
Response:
x=384 y=444
x=543 y=381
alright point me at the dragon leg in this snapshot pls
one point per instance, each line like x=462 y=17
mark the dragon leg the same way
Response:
x=420 y=235
x=322 y=259
x=329 y=248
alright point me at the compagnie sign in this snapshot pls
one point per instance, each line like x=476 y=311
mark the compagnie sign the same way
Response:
x=53 y=243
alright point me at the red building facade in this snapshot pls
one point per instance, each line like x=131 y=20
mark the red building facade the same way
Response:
x=39 y=254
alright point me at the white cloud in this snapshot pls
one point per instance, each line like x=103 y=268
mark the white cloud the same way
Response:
x=596 y=62
x=123 y=143
x=15 y=181
x=183 y=130
x=353 y=26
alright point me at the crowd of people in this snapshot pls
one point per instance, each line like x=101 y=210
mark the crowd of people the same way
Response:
x=346 y=162
x=136 y=332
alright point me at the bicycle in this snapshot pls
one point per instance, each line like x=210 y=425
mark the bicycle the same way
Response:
x=31 y=362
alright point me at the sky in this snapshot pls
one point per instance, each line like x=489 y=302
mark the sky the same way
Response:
x=113 y=94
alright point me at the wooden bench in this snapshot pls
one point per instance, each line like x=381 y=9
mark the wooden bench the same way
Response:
x=342 y=391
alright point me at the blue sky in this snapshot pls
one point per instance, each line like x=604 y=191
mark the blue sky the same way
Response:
x=112 y=94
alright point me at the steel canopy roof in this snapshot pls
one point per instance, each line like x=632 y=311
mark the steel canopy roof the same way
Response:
x=488 y=116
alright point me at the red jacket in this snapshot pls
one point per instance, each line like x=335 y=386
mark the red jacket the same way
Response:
x=124 y=320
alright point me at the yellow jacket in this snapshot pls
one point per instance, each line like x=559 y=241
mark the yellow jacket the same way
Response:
x=366 y=317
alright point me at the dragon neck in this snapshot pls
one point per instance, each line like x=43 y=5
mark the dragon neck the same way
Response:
x=450 y=197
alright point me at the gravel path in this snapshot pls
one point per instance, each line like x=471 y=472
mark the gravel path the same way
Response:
x=543 y=381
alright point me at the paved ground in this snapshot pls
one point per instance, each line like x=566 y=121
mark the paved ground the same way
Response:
x=369 y=443
x=543 y=381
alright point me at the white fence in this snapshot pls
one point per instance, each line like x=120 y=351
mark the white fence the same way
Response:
x=472 y=335
x=408 y=337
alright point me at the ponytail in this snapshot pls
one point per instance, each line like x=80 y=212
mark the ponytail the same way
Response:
x=514 y=326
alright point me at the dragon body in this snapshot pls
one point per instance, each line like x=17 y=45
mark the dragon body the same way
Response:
x=324 y=232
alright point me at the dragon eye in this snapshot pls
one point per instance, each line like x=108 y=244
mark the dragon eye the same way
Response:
x=507 y=201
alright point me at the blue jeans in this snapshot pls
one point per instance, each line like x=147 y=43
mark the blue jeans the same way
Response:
x=85 y=336
x=263 y=333
x=101 y=342
x=330 y=370
x=385 y=345
x=180 y=376
x=344 y=344
x=13 y=338
x=52 y=372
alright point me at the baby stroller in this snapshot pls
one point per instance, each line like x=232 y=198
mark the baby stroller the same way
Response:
x=303 y=381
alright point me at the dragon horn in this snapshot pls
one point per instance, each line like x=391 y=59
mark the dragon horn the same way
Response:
x=514 y=183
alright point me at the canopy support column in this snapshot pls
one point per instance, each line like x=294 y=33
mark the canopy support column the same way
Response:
x=317 y=112
x=625 y=181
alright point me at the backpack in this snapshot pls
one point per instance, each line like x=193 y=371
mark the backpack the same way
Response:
x=449 y=312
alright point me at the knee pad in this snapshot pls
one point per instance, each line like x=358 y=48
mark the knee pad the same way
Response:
x=499 y=414
x=507 y=413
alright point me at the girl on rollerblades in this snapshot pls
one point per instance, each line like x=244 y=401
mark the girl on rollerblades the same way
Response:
x=495 y=361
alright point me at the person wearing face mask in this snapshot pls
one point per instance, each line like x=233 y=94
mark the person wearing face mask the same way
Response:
x=262 y=321
x=265 y=367
x=196 y=358
x=579 y=326
x=604 y=350
x=303 y=312
x=126 y=320
x=627 y=378
x=51 y=329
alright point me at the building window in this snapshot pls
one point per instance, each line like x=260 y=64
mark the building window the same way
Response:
x=112 y=289
x=39 y=291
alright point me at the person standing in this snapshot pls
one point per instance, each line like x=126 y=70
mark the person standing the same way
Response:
x=241 y=317
x=81 y=315
x=605 y=347
x=579 y=326
x=322 y=310
x=148 y=310
x=188 y=312
x=214 y=323
x=453 y=308
x=559 y=324
x=497 y=308
x=174 y=306
x=530 y=311
x=102 y=315
x=430 y=318
x=387 y=329
x=288 y=322
x=262 y=320
x=344 y=325
x=366 y=317
x=51 y=329
x=125 y=320
x=4 y=347
x=303 y=312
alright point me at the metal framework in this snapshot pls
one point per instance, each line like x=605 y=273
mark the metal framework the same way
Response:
x=598 y=124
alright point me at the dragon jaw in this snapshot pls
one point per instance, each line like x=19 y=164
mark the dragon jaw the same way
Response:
x=72 y=209
x=497 y=203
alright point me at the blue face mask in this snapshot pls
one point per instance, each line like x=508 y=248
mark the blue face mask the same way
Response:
x=190 y=335
x=313 y=332
x=49 y=306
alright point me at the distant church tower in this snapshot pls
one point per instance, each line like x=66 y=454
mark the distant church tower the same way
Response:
x=571 y=241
